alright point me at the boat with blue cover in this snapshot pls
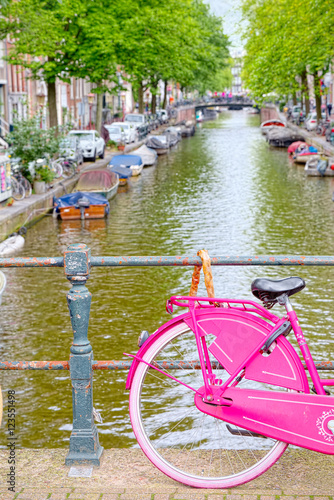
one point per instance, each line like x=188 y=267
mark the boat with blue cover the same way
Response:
x=132 y=162
x=81 y=205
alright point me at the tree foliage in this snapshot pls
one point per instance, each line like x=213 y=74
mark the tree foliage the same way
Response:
x=151 y=40
x=285 y=40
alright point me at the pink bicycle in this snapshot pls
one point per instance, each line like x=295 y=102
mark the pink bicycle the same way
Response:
x=218 y=393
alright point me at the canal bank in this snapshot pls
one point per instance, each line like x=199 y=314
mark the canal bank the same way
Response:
x=29 y=211
x=128 y=475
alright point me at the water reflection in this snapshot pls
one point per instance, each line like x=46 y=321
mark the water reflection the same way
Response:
x=223 y=189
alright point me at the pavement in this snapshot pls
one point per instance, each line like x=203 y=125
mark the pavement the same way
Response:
x=126 y=474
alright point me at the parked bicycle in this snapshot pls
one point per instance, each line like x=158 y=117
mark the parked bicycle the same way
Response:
x=322 y=127
x=21 y=187
x=218 y=393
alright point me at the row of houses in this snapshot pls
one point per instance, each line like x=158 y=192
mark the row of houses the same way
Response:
x=22 y=97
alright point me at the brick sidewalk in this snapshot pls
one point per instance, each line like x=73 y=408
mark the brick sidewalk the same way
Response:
x=126 y=474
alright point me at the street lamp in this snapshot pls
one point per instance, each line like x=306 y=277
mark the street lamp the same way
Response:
x=91 y=97
x=41 y=101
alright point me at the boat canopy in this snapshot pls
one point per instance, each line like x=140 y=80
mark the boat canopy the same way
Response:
x=72 y=199
x=125 y=161
x=295 y=145
x=122 y=172
x=96 y=180
x=157 y=142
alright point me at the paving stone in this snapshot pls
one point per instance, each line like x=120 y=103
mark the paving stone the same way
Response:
x=33 y=494
x=233 y=497
x=266 y=497
x=83 y=495
x=59 y=495
x=250 y=497
x=144 y=496
x=189 y=495
x=160 y=496
x=112 y=496
x=321 y=498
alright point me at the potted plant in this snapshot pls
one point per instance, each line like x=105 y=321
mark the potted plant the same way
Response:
x=43 y=175
x=121 y=144
x=111 y=145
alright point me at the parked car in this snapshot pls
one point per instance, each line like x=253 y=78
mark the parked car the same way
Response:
x=311 y=120
x=116 y=133
x=162 y=115
x=295 y=113
x=137 y=120
x=70 y=149
x=91 y=143
x=129 y=131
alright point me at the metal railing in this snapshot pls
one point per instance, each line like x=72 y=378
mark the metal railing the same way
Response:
x=77 y=263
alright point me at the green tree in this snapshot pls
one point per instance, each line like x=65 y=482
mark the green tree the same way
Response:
x=62 y=39
x=285 y=41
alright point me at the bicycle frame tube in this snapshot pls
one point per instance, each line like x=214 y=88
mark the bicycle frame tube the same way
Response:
x=201 y=345
x=318 y=385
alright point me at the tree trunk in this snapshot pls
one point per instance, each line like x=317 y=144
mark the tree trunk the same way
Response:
x=317 y=95
x=154 y=103
x=154 y=88
x=294 y=98
x=98 y=123
x=305 y=90
x=141 y=98
x=164 y=104
x=52 y=103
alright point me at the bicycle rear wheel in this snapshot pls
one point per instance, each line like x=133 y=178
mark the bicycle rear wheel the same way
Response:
x=184 y=443
x=18 y=191
x=27 y=187
x=57 y=168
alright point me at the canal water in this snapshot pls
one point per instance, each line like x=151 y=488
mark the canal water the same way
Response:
x=224 y=190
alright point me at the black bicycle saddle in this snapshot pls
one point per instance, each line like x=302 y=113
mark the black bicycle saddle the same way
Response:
x=268 y=290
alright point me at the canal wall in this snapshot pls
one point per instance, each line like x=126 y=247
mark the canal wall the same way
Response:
x=29 y=210
x=269 y=113
x=186 y=113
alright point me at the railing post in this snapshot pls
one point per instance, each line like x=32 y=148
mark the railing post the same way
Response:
x=84 y=440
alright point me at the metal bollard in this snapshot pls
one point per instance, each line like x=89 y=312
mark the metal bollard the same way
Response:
x=84 y=440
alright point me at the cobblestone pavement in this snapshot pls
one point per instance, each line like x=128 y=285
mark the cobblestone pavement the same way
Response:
x=126 y=474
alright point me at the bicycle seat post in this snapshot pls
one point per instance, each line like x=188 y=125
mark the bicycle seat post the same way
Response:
x=284 y=300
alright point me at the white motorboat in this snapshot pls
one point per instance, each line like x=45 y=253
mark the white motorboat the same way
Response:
x=11 y=245
x=270 y=124
x=148 y=155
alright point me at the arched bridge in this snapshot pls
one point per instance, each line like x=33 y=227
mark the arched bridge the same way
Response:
x=234 y=104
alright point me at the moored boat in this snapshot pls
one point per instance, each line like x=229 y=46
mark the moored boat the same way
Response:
x=123 y=173
x=270 y=124
x=322 y=167
x=100 y=182
x=11 y=245
x=81 y=205
x=303 y=154
x=132 y=162
x=160 y=143
x=149 y=156
x=282 y=137
x=297 y=145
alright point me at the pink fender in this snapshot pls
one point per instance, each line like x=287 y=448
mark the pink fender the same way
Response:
x=305 y=420
x=149 y=341
x=237 y=332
